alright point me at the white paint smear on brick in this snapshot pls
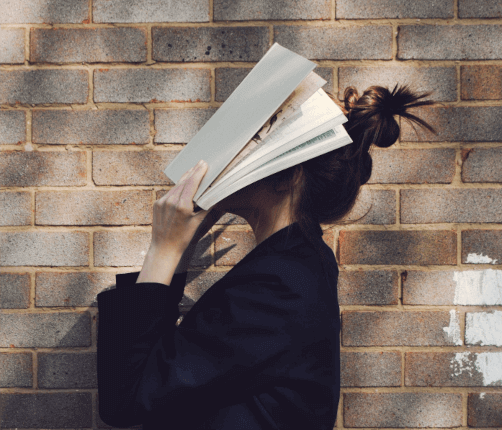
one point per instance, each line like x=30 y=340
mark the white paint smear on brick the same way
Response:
x=480 y=259
x=453 y=330
x=489 y=364
x=478 y=287
x=483 y=328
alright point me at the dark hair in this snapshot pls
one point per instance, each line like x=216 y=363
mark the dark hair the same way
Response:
x=328 y=185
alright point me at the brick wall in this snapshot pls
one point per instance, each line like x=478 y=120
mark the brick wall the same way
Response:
x=98 y=96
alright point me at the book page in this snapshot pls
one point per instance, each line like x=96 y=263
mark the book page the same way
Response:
x=291 y=105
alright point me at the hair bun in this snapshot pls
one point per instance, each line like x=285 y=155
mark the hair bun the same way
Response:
x=350 y=98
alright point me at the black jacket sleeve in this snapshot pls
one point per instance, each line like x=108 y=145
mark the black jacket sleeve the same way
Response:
x=146 y=364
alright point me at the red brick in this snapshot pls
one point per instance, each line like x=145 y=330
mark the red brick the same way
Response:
x=44 y=12
x=38 y=169
x=70 y=288
x=100 y=126
x=180 y=125
x=93 y=207
x=202 y=44
x=371 y=42
x=15 y=208
x=152 y=85
x=131 y=167
x=434 y=205
x=11 y=45
x=428 y=288
x=456 y=124
x=397 y=247
x=378 y=287
x=481 y=82
x=375 y=206
x=412 y=166
x=120 y=248
x=90 y=45
x=44 y=248
x=395 y=328
x=367 y=9
x=370 y=369
x=481 y=246
x=232 y=246
x=442 y=369
x=484 y=410
x=14 y=294
x=402 y=410
x=231 y=10
x=481 y=165
x=442 y=81
x=480 y=9
x=43 y=86
x=12 y=127
x=449 y=42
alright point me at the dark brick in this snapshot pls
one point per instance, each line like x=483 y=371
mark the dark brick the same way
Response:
x=232 y=246
x=44 y=12
x=375 y=206
x=370 y=369
x=441 y=81
x=11 y=44
x=480 y=9
x=203 y=44
x=367 y=9
x=391 y=328
x=449 y=42
x=38 y=169
x=90 y=45
x=242 y=10
x=43 y=86
x=91 y=126
x=12 y=127
x=152 y=85
x=484 y=410
x=397 y=247
x=482 y=165
x=16 y=369
x=378 y=287
x=456 y=124
x=67 y=370
x=15 y=208
x=481 y=82
x=402 y=410
x=180 y=125
x=14 y=294
x=371 y=42
x=150 y=11
x=481 y=246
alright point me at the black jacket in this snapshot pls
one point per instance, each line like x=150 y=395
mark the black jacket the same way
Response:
x=258 y=350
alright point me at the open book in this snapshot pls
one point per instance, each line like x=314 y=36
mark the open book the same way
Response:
x=278 y=116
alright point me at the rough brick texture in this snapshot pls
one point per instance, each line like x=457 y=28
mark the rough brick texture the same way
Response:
x=481 y=165
x=484 y=410
x=12 y=127
x=377 y=287
x=44 y=11
x=482 y=246
x=367 y=9
x=11 y=45
x=14 y=294
x=481 y=82
x=180 y=125
x=374 y=206
x=480 y=9
x=15 y=208
x=152 y=85
x=370 y=369
x=99 y=45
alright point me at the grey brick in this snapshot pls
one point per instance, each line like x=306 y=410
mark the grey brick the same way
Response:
x=426 y=206
x=131 y=167
x=375 y=206
x=43 y=11
x=152 y=85
x=484 y=410
x=91 y=126
x=90 y=45
x=429 y=288
x=202 y=44
x=15 y=208
x=16 y=369
x=11 y=45
x=71 y=288
x=371 y=42
x=150 y=11
x=457 y=124
x=481 y=246
x=121 y=248
x=38 y=169
x=242 y=10
x=442 y=81
x=376 y=287
x=67 y=370
x=93 y=207
x=43 y=86
x=12 y=127
x=367 y=9
x=480 y=9
x=370 y=369
x=450 y=42
x=180 y=125
x=482 y=165
x=43 y=248
x=14 y=294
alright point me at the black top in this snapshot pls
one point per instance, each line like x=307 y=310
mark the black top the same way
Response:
x=258 y=350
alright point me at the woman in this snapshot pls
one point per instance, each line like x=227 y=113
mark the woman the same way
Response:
x=260 y=349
